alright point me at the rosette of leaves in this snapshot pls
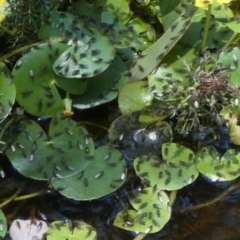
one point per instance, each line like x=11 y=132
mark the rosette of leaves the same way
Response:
x=152 y=210
x=66 y=150
x=106 y=173
x=103 y=87
x=7 y=95
x=216 y=167
x=3 y=225
x=35 y=80
x=175 y=170
x=72 y=230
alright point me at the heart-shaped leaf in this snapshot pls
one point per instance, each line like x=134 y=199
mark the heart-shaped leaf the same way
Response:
x=65 y=151
x=153 y=210
x=176 y=170
x=212 y=166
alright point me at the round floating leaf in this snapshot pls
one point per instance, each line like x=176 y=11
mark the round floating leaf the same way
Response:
x=212 y=166
x=28 y=229
x=71 y=230
x=176 y=170
x=103 y=87
x=67 y=149
x=7 y=96
x=3 y=225
x=104 y=175
x=35 y=79
x=153 y=211
x=134 y=96
x=86 y=58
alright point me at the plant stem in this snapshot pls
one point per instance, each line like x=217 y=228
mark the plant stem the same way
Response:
x=206 y=27
x=219 y=197
x=10 y=199
x=231 y=39
x=94 y=124
x=21 y=49
x=31 y=195
x=6 y=30
x=140 y=236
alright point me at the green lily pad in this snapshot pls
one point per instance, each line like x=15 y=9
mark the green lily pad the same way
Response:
x=3 y=225
x=65 y=151
x=217 y=168
x=87 y=57
x=134 y=96
x=176 y=170
x=103 y=87
x=71 y=230
x=7 y=96
x=35 y=80
x=152 y=211
x=106 y=173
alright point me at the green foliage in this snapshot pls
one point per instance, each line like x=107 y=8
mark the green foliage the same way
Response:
x=105 y=173
x=7 y=96
x=173 y=171
x=72 y=230
x=3 y=224
x=152 y=211
x=65 y=151
x=93 y=53
x=224 y=168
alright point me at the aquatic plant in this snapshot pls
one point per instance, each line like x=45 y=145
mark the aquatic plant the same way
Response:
x=89 y=54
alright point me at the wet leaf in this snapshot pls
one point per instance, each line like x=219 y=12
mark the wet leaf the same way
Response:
x=63 y=152
x=134 y=96
x=211 y=165
x=152 y=212
x=72 y=230
x=3 y=225
x=103 y=87
x=105 y=174
x=35 y=80
x=173 y=171
x=7 y=96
